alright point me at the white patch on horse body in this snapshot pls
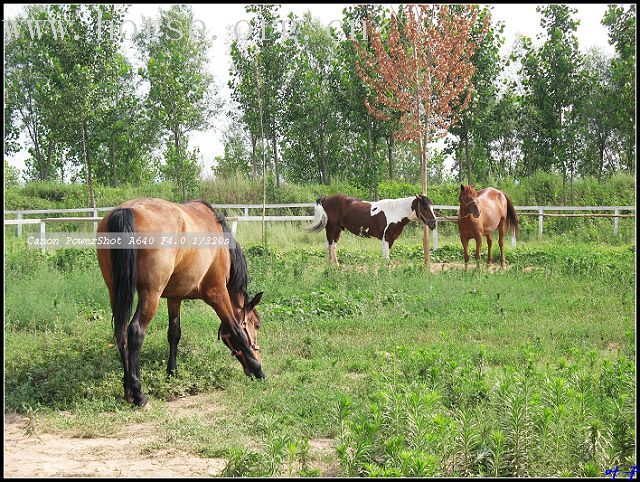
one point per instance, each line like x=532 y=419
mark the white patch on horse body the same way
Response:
x=395 y=210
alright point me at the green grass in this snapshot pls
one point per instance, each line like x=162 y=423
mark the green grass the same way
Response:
x=523 y=372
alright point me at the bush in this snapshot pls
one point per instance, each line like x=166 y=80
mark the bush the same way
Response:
x=538 y=189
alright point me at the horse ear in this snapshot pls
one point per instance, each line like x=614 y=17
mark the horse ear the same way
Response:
x=462 y=187
x=256 y=299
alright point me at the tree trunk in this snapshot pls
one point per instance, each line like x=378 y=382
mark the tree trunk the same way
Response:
x=571 y=186
x=87 y=163
x=465 y=136
x=112 y=149
x=176 y=138
x=564 y=184
x=370 y=166
x=49 y=158
x=275 y=159
x=601 y=158
x=423 y=168
x=390 y=143
x=39 y=160
x=254 y=159
x=323 y=157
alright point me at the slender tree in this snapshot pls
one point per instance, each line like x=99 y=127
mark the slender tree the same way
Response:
x=621 y=23
x=181 y=90
x=79 y=76
x=476 y=127
x=422 y=73
x=26 y=95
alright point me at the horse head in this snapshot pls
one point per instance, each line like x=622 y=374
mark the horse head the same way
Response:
x=242 y=339
x=423 y=208
x=468 y=200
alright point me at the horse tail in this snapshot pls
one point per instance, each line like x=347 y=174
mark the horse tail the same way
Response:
x=124 y=276
x=512 y=218
x=320 y=218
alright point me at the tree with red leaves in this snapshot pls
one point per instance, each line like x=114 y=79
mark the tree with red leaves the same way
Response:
x=422 y=71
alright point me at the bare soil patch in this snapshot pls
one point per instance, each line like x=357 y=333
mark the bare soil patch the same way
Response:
x=322 y=454
x=56 y=455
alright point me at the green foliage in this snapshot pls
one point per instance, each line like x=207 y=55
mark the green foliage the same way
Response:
x=11 y=175
x=75 y=101
x=539 y=189
x=520 y=411
x=182 y=167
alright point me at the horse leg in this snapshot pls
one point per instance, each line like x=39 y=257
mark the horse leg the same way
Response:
x=173 y=333
x=329 y=234
x=390 y=242
x=336 y=237
x=331 y=243
x=478 y=248
x=489 y=244
x=147 y=306
x=124 y=357
x=465 y=245
x=501 y=231
x=385 y=249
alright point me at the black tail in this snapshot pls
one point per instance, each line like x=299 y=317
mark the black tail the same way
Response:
x=123 y=267
x=512 y=218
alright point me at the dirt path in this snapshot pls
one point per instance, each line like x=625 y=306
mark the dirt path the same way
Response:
x=435 y=267
x=55 y=455
x=41 y=454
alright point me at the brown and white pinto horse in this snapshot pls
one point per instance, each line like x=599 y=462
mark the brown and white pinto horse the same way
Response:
x=383 y=219
x=480 y=214
x=217 y=275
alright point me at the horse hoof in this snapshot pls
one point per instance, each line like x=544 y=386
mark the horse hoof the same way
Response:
x=140 y=400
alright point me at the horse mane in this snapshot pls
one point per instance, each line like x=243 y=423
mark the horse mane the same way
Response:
x=239 y=276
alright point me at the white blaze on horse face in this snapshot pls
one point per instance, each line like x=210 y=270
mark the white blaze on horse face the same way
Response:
x=432 y=212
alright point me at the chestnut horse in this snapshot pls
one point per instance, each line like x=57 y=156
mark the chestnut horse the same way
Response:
x=383 y=219
x=217 y=275
x=480 y=214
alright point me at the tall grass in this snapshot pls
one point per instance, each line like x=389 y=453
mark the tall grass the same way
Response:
x=527 y=372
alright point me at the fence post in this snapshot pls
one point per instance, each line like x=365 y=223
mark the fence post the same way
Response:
x=435 y=236
x=42 y=236
x=19 y=218
x=540 y=221
x=246 y=211
x=234 y=227
x=615 y=222
x=513 y=238
x=95 y=225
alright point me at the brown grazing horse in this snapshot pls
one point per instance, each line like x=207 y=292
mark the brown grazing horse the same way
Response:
x=480 y=214
x=217 y=275
x=383 y=219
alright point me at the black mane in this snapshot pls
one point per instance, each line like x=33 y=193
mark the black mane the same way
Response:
x=239 y=276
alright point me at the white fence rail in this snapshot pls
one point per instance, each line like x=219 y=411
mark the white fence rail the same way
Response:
x=539 y=211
